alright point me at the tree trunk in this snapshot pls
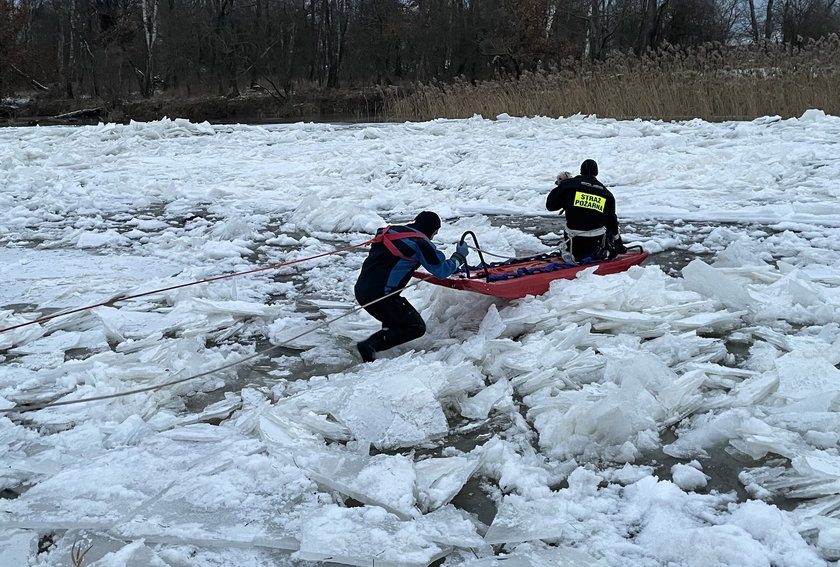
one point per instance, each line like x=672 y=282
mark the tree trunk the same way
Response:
x=649 y=28
x=593 y=30
x=768 y=21
x=753 y=21
x=150 y=31
x=68 y=52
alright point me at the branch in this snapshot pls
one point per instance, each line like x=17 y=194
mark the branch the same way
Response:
x=84 y=113
x=32 y=81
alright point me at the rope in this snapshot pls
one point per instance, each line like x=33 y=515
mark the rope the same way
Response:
x=27 y=408
x=477 y=249
x=179 y=286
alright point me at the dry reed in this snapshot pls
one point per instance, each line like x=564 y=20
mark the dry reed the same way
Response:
x=712 y=82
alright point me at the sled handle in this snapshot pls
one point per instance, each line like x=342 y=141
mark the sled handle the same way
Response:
x=480 y=255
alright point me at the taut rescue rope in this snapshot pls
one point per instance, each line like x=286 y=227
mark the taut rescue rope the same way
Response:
x=144 y=294
x=33 y=407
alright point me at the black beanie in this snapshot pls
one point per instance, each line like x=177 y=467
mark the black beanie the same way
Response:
x=589 y=167
x=427 y=222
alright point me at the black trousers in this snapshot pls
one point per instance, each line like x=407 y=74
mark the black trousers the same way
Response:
x=586 y=247
x=400 y=323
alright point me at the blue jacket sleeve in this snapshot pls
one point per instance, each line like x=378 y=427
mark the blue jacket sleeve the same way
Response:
x=433 y=259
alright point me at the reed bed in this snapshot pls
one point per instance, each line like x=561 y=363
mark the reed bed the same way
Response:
x=712 y=82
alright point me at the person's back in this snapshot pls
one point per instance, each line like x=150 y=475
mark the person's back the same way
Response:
x=591 y=220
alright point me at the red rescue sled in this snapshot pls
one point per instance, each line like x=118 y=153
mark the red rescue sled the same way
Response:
x=527 y=276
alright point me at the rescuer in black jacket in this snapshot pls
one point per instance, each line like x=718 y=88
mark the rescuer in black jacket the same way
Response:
x=393 y=257
x=591 y=222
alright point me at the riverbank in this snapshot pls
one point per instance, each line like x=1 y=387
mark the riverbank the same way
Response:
x=252 y=107
x=714 y=83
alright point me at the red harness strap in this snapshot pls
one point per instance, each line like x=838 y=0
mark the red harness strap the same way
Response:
x=387 y=239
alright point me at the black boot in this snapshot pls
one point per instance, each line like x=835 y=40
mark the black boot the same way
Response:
x=367 y=351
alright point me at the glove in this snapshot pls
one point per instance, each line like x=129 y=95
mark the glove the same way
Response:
x=460 y=254
x=615 y=246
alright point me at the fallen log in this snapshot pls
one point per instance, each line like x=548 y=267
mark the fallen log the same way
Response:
x=83 y=113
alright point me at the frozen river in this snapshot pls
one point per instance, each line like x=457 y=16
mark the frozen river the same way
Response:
x=682 y=413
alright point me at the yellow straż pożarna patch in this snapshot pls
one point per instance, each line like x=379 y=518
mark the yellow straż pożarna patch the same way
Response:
x=590 y=201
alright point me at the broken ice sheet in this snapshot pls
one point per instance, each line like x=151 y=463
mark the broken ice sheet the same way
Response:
x=497 y=396
x=365 y=536
x=527 y=556
x=440 y=479
x=246 y=498
x=391 y=411
x=280 y=429
x=519 y=519
x=616 y=321
x=801 y=376
x=387 y=481
x=717 y=322
x=713 y=282
x=295 y=331
x=598 y=420
x=61 y=341
x=449 y=526
x=15 y=546
x=101 y=490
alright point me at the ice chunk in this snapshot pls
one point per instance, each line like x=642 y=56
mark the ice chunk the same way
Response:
x=240 y=496
x=707 y=431
x=778 y=531
x=280 y=428
x=365 y=536
x=711 y=282
x=397 y=411
x=100 y=491
x=648 y=370
x=215 y=411
x=61 y=341
x=387 y=481
x=552 y=557
x=689 y=477
x=519 y=519
x=497 y=396
x=449 y=526
x=743 y=252
x=15 y=546
x=720 y=545
x=647 y=325
x=492 y=326
x=828 y=543
x=440 y=479
x=129 y=432
x=828 y=536
x=804 y=375
x=814 y=476
x=756 y=438
x=717 y=322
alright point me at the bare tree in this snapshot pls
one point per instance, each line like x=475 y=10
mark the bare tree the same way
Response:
x=649 y=28
x=768 y=20
x=753 y=21
x=149 y=13
x=13 y=50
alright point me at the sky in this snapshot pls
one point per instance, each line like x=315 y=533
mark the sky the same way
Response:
x=683 y=413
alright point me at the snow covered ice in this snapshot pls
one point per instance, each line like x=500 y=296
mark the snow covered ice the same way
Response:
x=685 y=412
